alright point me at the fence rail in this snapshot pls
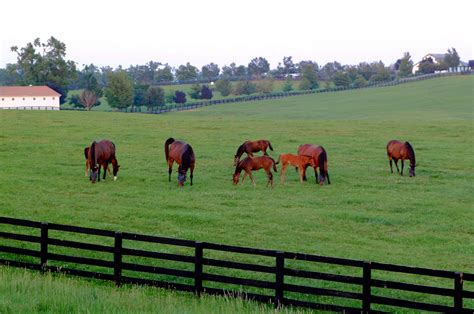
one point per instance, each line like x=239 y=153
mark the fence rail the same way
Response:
x=281 y=290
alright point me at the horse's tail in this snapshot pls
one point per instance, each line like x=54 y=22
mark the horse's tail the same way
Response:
x=270 y=145
x=86 y=152
x=274 y=163
x=167 y=148
x=93 y=155
x=323 y=164
x=186 y=158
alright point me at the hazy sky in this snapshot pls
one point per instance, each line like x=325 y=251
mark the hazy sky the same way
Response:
x=179 y=31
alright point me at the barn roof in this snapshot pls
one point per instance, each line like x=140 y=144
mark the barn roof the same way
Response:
x=27 y=91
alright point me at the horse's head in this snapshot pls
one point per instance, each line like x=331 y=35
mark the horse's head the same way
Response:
x=236 y=178
x=412 y=170
x=94 y=173
x=115 y=171
x=321 y=179
x=181 y=177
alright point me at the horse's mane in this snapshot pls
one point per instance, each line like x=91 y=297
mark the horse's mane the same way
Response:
x=92 y=154
x=186 y=158
x=240 y=150
x=321 y=160
x=167 y=149
x=411 y=153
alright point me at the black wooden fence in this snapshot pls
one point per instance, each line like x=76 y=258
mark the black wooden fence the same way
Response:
x=365 y=297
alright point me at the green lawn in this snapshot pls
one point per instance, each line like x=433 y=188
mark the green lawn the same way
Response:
x=366 y=213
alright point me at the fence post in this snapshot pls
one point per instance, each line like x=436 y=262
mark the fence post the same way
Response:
x=458 y=282
x=44 y=246
x=198 y=252
x=279 y=278
x=366 y=281
x=118 y=258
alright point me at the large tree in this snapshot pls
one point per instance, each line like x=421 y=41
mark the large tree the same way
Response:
x=308 y=78
x=186 y=72
x=90 y=95
x=164 y=74
x=258 y=67
x=44 y=64
x=154 y=97
x=210 y=72
x=119 y=91
x=224 y=87
x=406 y=65
x=451 y=58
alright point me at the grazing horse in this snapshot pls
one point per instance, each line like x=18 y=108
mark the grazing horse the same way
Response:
x=88 y=166
x=183 y=154
x=320 y=160
x=251 y=147
x=101 y=154
x=397 y=150
x=298 y=161
x=255 y=163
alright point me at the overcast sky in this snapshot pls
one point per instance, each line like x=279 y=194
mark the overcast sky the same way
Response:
x=200 y=32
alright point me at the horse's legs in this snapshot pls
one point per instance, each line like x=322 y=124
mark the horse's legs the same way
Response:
x=170 y=168
x=251 y=177
x=98 y=174
x=265 y=152
x=243 y=178
x=402 y=167
x=106 y=166
x=316 y=174
x=304 y=172
x=191 y=173
x=282 y=175
x=390 y=162
x=301 y=173
x=270 y=177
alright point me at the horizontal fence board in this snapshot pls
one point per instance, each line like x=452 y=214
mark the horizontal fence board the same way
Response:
x=155 y=239
x=157 y=283
x=80 y=260
x=413 y=270
x=238 y=281
x=20 y=237
x=320 y=306
x=238 y=249
x=324 y=259
x=16 y=250
x=412 y=287
x=468 y=277
x=80 y=273
x=323 y=276
x=410 y=304
x=322 y=291
x=20 y=222
x=237 y=294
x=158 y=270
x=236 y=265
x=468 y=294
x=80 y=245
x=158 y=255
x=20 y=264
x=91 y=231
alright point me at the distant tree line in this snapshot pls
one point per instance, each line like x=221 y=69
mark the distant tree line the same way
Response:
x=140 y=85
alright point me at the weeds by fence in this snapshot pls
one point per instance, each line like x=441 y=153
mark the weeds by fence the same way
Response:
x=285 y=278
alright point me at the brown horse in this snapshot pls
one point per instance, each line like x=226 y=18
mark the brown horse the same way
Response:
x=101 y=154
x=88 y=166
x=255 y=163
x=183 y=154
x=320 y=160
x=397 y=150
x=251 y=147
x=298 y=161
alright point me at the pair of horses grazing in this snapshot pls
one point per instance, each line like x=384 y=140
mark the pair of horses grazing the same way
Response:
x=99 y=154
x=251 y=147
x=182 y=153
x=397 y=150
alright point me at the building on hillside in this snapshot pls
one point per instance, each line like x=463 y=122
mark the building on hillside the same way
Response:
x=436 y=58
x=29 y=98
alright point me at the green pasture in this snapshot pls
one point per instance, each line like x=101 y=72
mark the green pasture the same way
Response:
x=367 y=213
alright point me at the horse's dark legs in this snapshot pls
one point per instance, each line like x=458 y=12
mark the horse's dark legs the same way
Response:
x=316 y=174
x=170 y=168
x=106 y=166
x=191 y=174
x=304 y=173
x=270 y=178
x=402 y=167
x=327 y=175
x=396 y=164
x=98 y=174
x=390 y=163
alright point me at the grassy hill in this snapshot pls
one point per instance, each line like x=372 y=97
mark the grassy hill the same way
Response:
x=366 y=213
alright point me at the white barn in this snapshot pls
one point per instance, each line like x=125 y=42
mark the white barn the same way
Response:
x=29 y=98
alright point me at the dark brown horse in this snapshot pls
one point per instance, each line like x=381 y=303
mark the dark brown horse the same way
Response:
x=183 y=154
x=320 y=160
x=102 y=153
x=88 y=166
x=251 y=147
x=254 y=163
x=397 y=150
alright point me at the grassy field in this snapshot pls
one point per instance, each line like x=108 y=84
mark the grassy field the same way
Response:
x=366 y=213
